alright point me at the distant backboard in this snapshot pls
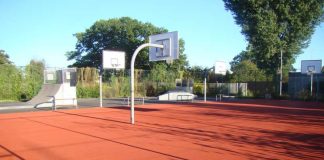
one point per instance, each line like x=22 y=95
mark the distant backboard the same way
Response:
x=220 y=67
x=170 y=42
x=311 y=66
x=113 y=59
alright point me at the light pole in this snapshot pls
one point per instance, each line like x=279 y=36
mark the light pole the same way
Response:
x=205 y=82
x=280 y=85
x=100 y=70
x=311 y=83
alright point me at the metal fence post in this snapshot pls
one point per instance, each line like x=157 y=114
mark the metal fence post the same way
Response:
x=54 y=105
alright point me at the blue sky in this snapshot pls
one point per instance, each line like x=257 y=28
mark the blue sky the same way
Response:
x=40 y=29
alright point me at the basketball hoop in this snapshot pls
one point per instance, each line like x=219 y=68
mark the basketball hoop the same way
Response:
x=311 y=66
x=113 y=59
x=170 y=49
x=310 y=70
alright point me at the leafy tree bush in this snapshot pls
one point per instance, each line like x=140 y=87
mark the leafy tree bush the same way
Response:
x=4 y=58
x=10 y=83
x=124 y=34
x=247 y=71
x=33 y=79
x=87 y=91
x=273 y=26
x=198 y=89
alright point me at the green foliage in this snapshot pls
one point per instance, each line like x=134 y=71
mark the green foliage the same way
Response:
x=33 y=78
x=118 y=87
x=17 y=84
x=10 y=83
x=123 y=34
x=305 y=95
x=161 y=79
x=4 y=58
x=247 y=71
x=243 y=56
x=87 y=75
x=197 y=73
x=271 y=26
x=198 y=89
x=87 y=91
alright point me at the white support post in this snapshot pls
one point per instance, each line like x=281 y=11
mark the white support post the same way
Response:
x=62 y=76
x=73 y=100
x=44 y=78
x=54 y=103
x=280 y=85
x=311 y=85
x=220 y=97
x=132 y=116
x=100 y=89
x=205 y=89
x=143 y=101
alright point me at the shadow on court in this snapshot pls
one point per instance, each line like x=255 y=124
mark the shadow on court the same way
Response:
x=212 y=130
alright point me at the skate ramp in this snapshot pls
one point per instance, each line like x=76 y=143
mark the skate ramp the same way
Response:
x=176 y=96
x=43 y=96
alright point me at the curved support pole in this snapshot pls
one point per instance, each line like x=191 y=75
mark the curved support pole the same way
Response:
x=132 y=119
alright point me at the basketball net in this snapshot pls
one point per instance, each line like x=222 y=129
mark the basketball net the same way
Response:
x=310 y=72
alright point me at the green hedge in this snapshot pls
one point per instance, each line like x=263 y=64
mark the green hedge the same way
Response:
x=20 y=83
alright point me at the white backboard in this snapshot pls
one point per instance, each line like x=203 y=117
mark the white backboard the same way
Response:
x=113 y=59
x=314 y=66
x=220 y=67
x=170 y=42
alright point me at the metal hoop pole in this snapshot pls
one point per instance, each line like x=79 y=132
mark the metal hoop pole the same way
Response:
x=132 y=116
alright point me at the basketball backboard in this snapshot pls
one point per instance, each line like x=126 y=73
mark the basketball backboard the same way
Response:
x=170 y=50
x=311 y=66
x=220 y=67
x=113 y=59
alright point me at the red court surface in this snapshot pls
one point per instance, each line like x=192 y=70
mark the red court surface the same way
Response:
x=267 y=130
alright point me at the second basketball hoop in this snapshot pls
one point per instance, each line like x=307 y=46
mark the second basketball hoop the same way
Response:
x=113 y=59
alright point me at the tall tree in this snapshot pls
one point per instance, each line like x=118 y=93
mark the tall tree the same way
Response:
x=4 y=58
x=34 y=79
x=247 y=71
x=242 y=56
x=124 y=34
x=274 y=25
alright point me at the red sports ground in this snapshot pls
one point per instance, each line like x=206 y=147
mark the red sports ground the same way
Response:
x=250 y=129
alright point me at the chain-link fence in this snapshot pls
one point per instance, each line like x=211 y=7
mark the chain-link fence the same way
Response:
x=230 y=89
x=299 y=86
x=23 y=83
x=116 y=83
